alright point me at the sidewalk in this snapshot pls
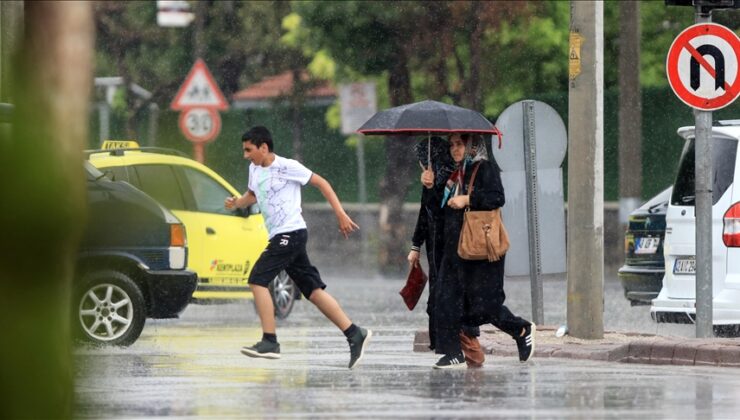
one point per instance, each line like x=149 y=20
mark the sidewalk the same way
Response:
x=622 y=347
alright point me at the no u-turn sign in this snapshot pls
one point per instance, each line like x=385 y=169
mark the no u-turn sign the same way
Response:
x=702 y=66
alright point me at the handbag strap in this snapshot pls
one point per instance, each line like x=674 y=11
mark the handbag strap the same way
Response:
x=472 y=178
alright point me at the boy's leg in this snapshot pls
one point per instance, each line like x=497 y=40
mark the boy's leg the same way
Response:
x=309 y=282
x=274 y=258
x=265 y=308
x=330 y=308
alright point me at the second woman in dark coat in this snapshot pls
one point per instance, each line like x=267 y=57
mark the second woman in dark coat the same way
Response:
x=472 y=292
x=429 y=233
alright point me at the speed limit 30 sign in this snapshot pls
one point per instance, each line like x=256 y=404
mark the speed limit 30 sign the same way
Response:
x=702 y=66
x=200 y=125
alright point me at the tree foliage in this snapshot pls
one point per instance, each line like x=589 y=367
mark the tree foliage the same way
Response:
x=239 y=41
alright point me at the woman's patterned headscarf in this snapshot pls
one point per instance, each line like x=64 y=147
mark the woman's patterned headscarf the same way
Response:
x=475 y=150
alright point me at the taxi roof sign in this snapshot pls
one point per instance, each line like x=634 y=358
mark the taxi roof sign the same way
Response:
x=119 y=144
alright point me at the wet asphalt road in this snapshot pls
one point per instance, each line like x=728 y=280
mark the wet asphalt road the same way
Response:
x=191 y=367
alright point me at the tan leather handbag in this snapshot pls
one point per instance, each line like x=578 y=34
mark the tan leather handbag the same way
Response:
x=483 y=235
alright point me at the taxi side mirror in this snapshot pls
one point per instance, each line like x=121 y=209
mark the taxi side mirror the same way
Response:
x=254 y=209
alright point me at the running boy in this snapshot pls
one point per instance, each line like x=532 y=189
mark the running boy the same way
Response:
x=275 y=183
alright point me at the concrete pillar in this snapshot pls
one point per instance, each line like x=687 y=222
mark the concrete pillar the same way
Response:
x=586 y=171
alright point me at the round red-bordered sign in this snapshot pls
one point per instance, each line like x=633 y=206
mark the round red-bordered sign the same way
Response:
x=199 y=124
x=684 y=49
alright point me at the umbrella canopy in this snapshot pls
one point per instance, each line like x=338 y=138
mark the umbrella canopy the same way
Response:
x=427 y=117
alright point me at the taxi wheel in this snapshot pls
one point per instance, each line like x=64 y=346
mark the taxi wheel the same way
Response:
x=108 y=309
x=283 y=292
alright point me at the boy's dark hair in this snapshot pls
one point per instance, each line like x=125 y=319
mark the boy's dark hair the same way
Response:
x=258 y=135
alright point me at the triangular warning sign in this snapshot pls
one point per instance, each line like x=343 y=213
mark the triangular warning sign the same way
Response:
x=199 y=90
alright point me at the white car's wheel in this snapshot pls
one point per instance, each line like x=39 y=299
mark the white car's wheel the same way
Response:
x=283 y=291
x=109 y=309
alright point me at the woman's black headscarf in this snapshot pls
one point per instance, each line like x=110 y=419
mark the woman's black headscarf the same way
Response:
x=442 y=162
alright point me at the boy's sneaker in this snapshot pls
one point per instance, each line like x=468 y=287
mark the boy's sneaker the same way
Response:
x=357 y=344
x=263 y=349
x=451 y=361
x=525 y=343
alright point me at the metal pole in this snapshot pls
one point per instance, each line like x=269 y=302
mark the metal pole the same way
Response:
x=533 y=225
x=153 y=124
x=362 y=198
x=703 y=171
x=703 y=211
x=104 y=115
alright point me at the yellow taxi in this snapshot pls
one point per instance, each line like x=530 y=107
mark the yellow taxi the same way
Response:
x=224 y=244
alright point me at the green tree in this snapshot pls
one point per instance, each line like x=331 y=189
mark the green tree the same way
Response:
x=373 y=38
x=239 y=41
x=423 y=50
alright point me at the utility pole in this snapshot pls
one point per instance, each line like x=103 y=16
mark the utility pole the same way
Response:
x=630 y=112
x=586 y=171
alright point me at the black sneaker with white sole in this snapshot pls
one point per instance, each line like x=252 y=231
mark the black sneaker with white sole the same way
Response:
x=525 y=343
x=451 y=361
x=264 y=349
x=357 y=344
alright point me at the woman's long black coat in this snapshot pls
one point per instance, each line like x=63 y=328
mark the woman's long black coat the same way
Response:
x=428 y=232
x=471 y=292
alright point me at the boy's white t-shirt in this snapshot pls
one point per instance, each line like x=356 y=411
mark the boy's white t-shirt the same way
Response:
x=278 y=191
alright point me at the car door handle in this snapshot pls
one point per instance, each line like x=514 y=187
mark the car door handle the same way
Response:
x=210 y=231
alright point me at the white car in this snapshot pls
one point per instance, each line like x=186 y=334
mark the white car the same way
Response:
x=676 y=301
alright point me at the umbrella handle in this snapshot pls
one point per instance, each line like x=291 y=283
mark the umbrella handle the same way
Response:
x=429 y=150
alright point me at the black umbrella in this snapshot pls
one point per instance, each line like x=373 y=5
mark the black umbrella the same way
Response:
x=427 y=117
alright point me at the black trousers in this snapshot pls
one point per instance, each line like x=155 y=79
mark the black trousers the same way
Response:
x=471 y=293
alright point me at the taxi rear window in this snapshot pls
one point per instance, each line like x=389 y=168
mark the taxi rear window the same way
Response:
x=724 y=152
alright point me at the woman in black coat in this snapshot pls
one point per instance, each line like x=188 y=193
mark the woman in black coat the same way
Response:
x=472 y=292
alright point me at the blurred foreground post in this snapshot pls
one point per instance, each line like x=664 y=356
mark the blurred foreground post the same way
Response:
x=43 y=207
x=586 y=171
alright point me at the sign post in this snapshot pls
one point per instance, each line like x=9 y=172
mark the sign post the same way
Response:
x=358 y=102
x=199 y=99
x=531 y=164
x=702 y=67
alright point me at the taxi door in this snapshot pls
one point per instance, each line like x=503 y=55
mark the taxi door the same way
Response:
x=229 y=243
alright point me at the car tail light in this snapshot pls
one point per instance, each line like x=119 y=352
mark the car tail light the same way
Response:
x=731 y=228
x=177 y=235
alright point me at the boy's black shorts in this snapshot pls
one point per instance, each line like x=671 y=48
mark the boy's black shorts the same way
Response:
x=287 y=251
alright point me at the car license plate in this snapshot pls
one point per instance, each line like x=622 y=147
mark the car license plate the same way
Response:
x=685 y=265
x=646 y=245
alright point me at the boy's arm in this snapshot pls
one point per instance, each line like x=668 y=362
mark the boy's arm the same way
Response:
x=246 y=200
x=346 y=225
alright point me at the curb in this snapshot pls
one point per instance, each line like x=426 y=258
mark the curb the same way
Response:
x=623 y=347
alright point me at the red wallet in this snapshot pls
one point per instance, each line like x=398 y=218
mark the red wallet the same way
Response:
x=414 y=287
